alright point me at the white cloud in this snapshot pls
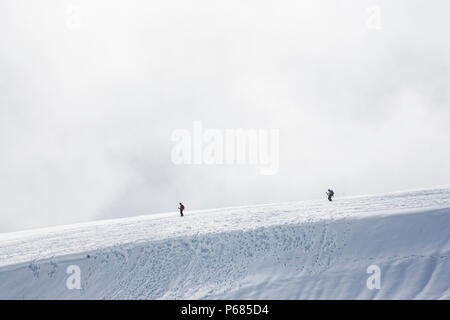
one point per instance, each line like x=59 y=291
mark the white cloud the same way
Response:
x=87 y=114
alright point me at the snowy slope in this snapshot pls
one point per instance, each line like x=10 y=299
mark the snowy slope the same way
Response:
x=299 y=250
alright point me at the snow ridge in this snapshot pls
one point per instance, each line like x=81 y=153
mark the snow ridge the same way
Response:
x=301 y=250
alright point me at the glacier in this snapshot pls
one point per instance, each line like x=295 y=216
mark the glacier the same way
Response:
x=295 y=250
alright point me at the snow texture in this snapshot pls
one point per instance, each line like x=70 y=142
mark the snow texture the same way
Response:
x=299 y=250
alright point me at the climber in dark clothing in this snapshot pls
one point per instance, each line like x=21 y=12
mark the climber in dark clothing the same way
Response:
x=181 y=209
x=330 y=194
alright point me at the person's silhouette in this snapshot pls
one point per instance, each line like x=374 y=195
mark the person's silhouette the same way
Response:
x=330 y=194
x=181 y=209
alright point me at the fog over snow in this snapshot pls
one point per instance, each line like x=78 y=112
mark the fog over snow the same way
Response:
x=91 y=93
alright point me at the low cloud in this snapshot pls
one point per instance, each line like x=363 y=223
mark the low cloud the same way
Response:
x=87 y=112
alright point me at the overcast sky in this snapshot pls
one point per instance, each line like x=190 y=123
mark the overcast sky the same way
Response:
x=91 y=92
